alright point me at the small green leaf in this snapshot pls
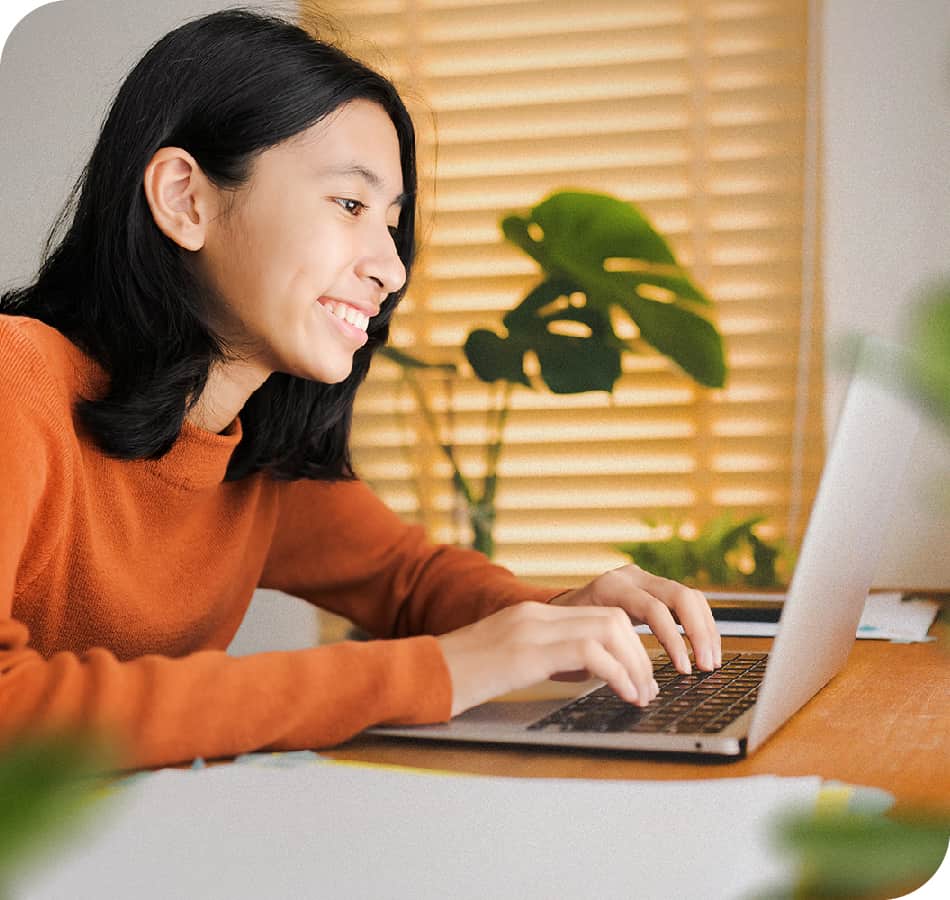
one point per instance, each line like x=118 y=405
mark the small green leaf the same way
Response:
x=494 y=358
x=569 y=367
x=765 y=557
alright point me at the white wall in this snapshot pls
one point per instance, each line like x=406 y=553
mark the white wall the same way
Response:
x=59 y=70
x=886 y=69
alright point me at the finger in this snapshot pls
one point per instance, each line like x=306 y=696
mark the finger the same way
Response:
x=590 y=654
x=663 y=625
x=612 y=629
x=699 y=617
x=692 y=610
x=643 y=606
x=624 y=642
x=714 y=628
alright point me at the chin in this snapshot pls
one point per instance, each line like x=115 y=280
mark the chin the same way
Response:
x=328 y=374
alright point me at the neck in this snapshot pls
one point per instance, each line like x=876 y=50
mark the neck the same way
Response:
x=227 y=390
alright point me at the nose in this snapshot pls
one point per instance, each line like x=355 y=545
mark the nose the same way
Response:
x=382 y=264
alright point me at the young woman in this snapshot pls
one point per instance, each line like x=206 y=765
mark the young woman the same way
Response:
x=176 y=399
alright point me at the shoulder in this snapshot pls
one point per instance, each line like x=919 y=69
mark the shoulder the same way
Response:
x=41 y=367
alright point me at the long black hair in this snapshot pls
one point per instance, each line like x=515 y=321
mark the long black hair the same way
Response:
x=225 y=87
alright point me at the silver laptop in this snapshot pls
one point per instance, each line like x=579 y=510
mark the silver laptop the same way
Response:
x=735 y=709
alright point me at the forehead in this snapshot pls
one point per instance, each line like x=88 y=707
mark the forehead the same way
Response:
x=357 y=141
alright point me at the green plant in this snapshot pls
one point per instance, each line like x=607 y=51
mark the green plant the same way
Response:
x=49 y=785
x=846 y=854
x=724 y=552
x=600 y=257
x=928 y=379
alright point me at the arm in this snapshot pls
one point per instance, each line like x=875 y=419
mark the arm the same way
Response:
x=341 y=548
x=161 y=710
x=338 y=546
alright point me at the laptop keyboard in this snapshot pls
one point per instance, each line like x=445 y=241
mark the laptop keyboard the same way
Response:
x=700 y=703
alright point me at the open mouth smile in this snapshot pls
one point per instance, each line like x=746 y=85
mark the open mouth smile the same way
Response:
x=350 y=320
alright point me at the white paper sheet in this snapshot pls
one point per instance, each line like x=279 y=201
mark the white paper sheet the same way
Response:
x=888 y=617
x=338 y=831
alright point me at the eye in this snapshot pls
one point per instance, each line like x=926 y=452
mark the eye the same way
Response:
x=355 y=210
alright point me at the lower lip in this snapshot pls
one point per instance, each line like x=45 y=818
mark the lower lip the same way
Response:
x=355 y=334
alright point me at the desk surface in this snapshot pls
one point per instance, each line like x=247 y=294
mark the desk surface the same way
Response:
x=882 y=721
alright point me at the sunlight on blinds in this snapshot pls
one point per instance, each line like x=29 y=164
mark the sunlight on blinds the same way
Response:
x=696 y=110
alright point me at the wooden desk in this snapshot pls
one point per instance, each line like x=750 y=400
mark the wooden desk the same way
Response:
x=883 y=721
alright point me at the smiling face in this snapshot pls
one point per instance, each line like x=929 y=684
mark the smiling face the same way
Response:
x=306 y=255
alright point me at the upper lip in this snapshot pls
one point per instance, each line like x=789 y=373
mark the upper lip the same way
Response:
x=368 y=309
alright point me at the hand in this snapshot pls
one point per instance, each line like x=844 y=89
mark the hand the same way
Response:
x=524 y=644
x=651 y=600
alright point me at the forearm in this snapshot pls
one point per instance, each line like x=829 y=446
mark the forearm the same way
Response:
x=162 y=711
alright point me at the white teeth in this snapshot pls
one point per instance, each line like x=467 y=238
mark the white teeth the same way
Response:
x=355 y=317
x=348 y=314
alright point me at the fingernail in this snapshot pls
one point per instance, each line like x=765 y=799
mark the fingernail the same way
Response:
x=708 y=660
x=684 y=665
x=656 y=688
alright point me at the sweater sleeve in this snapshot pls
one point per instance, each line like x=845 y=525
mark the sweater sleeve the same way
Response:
x=337 y=545
x=160 y=710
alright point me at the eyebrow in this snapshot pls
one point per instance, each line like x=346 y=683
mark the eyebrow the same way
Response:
x=370 y=177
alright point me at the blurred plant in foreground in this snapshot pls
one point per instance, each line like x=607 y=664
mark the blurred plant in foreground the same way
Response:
x=872 y=856
x=49 y=785
x=853 y=855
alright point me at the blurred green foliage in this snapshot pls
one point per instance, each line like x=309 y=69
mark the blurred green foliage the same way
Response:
x=850 y=855
x=724 y=553
x=48 y=786
x=929 y=340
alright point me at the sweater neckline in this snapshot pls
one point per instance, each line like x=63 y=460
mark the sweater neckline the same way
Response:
x=198 y=458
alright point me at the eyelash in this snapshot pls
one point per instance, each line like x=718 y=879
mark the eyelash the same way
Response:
x=341 y=201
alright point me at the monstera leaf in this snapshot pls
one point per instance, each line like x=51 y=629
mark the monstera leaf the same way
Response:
x=570 y=364
x=572 y=235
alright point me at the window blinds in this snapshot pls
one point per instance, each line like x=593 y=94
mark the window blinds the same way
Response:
x=700 y=113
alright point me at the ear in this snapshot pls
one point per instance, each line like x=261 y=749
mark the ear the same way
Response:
x=181 y=198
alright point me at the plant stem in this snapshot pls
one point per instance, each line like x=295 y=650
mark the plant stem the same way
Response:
x=458 y=479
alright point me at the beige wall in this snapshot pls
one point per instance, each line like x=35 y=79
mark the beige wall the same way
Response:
x=886 y=68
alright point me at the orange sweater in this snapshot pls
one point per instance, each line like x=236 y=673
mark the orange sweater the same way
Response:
x=122 y=583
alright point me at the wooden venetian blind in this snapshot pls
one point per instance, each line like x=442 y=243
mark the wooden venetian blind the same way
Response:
x=700 y=113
